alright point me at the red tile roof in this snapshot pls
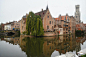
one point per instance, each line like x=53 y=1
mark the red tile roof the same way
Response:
x=77 y=25
x=56 y=19
x=62 y=18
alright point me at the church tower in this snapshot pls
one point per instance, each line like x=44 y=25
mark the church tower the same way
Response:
x=77 y=14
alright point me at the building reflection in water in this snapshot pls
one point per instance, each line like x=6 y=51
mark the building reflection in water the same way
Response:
x=45 y=47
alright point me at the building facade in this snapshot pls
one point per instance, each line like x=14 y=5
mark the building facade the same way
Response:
x=72 y=24
x=47 y=21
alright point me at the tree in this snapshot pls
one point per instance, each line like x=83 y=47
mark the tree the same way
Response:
x=34 y=25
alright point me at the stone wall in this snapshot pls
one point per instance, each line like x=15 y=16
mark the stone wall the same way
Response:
x=49 y=33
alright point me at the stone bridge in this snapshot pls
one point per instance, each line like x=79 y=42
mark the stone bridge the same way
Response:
x=9 y=31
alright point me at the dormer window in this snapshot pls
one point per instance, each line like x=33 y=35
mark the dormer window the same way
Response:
x=47 y=16
x=67 y=19
x=76 y=16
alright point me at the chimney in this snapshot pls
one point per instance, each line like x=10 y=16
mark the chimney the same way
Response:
x=42 y=10
x=66 y=14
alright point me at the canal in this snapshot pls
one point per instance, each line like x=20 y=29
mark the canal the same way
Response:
x=11 y=46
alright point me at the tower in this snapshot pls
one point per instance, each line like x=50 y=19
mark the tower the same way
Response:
x=77 y=14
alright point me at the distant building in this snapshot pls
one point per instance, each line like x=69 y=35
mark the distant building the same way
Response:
x=78 y=27
x=12 y=25
x=2 y=26
x=15 y=25
x=67 y=22
x=85 y=27
x=23 y=24
x=72 y=24
x=77 y=14
x=7 y=26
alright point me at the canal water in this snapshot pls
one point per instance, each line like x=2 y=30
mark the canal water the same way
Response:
x=11 y=46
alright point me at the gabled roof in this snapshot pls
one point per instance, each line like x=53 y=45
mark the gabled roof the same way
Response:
x=62 y=18
x=84 y=24
x=41 y=13
x=56 y=19
x=24 y=16
x=77 y=25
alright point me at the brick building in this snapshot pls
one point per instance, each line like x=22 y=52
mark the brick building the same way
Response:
x=67 y=22
x=47 y=20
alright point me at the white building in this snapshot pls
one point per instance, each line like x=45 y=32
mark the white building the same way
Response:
x=7 y=27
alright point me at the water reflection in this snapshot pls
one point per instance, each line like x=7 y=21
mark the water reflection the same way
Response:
x=47 y=46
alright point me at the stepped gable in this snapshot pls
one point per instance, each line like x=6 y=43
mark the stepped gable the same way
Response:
x=41 y=13
x=56 y=19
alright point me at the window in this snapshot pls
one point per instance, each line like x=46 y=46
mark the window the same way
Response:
x=52 y=27
x=64 y=29
x=47 y=27
x=77 y=7
x=67 y=20
x=22 y=22
x=47 y=16
x=50 y=22
x=76 y=16
x=22 y=27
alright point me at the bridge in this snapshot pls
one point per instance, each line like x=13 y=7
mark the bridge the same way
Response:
x=9 y=31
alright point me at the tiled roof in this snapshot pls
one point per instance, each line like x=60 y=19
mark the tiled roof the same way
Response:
x=62 y=18
x=41 y=13
x=77 y=25
x=56 y=19
x=84 y=24
x=9 y=23
x=24 y=16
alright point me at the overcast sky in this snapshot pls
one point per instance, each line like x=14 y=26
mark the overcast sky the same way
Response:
x=14 y=9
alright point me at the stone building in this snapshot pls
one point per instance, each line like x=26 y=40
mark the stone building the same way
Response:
x=77 y=14
x=23 y=24
x=15 y=25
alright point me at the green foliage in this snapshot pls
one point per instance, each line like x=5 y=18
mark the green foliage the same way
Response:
x=34 y=25
x=24 y=32
x=79 y=33
x=2 y=31
x=83 y=55
x=33 y=46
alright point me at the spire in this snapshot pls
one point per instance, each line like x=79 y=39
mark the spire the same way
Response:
x=47 y=7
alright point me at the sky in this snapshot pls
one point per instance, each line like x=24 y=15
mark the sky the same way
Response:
x=13 y=10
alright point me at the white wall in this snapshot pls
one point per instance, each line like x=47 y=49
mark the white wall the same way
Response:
x=60 y=31
x=7 y=27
